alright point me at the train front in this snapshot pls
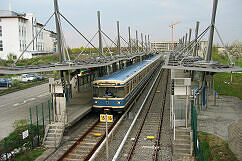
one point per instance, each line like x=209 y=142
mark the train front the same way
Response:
x=108 y=95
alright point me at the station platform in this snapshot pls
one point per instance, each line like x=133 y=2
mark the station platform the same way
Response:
x=79 y=105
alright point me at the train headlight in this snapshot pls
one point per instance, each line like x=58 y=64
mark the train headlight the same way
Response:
x=95 y=102
x=118 y=102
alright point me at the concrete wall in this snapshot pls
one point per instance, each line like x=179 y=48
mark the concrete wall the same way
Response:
x=235 y=138
x=9 y=37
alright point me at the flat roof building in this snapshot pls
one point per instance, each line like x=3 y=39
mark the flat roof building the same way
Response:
x=163 y=46
x=166 y=46
x=17 y=30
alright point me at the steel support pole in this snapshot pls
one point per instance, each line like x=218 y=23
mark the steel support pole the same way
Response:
x=189 y=35
x=186 y=40
x=145 y=44
x=142 y=42
x=130 y=45
x=149 y=43
x=183 y=41
x=137 y=41
x=172 y=46
x=210 y=42
x=58 y=31
x=118 y=43
x=196 y=45
x=100 y=34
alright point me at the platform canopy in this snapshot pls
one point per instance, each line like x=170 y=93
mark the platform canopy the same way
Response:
x=196 y=63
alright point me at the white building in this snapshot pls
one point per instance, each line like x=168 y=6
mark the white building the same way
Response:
x=163 y=46
x=17 y=30
x=166 y=46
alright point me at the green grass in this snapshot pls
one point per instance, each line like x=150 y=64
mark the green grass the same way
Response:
x=228 y=89
x=29 y=155
x=214 y=148
x=223 y=59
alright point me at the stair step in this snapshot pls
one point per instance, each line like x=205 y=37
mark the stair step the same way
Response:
x=50 y=146
x=182 y=151
x=183 y=128
x=53 y=135
x=182 y=146
x=182 y=137
x=181 y=154
x=182 y=141
x=52 y=138
x=55 y=130
x=56 y=127
x=50 y=142
x=182 y=133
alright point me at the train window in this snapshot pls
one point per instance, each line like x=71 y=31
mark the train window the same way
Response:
x=120 y=92
x=109 y=92
x=95 y=92
x=126 y=90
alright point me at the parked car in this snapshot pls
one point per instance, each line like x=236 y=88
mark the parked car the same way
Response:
x=36 y=76
x=27 y=78
x=5 y=82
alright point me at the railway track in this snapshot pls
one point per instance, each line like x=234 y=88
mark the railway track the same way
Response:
x=147 y=139
x=86 y=145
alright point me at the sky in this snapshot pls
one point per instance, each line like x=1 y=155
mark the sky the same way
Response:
x=151 y=17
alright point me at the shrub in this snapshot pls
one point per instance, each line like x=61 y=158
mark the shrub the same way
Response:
x=14 y=140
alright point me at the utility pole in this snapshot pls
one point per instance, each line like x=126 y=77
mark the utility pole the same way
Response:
x=100 y=34
x=58 y=31
x=118 y=43
x=210 y=42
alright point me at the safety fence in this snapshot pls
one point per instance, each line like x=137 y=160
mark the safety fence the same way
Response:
x=28 y=133
x=198 y=150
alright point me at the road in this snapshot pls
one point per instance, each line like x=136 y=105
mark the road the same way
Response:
x=15 y=106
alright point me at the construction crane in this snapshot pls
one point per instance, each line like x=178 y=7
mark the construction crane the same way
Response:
x=172 y=28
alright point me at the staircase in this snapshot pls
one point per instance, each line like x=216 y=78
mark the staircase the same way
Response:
x=54 y=133
x=182 y=145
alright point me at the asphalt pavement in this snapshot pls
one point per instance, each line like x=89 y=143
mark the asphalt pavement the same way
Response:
x=15 y=106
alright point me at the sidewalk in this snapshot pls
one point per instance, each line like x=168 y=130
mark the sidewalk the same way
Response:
x=79 y=106
x=216 y=119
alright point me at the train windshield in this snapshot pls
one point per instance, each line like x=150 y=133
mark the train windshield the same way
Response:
x=108 y=92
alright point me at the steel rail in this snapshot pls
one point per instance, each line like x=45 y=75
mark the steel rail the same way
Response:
x=143 y=121
x=123 y=116
x=78 y=141
x=157 y=145
x=134 y=121
x=100 y=142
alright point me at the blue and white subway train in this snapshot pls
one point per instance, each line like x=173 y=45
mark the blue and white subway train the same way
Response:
x=116 y=91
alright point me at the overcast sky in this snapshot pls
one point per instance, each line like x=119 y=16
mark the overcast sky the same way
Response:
x=147 y=16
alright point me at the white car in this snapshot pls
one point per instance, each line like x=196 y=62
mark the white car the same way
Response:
x=27 y=78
